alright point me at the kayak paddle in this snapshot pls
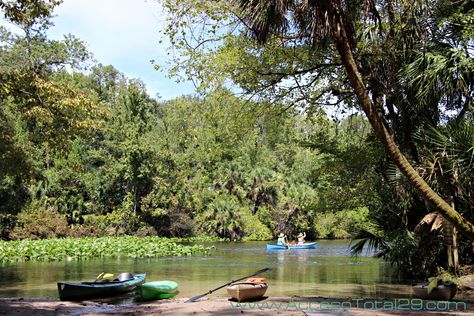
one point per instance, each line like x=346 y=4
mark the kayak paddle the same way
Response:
x=195 y=298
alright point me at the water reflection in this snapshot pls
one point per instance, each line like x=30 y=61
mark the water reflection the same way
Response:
x=326 y=271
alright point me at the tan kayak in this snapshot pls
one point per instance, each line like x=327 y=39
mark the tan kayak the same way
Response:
x=246 y=291
x=439 y=293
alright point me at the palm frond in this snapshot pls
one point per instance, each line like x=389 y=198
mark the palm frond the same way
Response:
x=372 y=243
x=394 y=176
x=265 y=17
x=440 y=74
x=304 y=19
x=430 y=222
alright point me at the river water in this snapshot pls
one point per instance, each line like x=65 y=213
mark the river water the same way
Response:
x=328 y=270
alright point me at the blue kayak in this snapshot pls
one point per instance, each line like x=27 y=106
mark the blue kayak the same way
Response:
x=308 y=245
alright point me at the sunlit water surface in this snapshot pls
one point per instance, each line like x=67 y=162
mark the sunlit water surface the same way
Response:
x=328 y=270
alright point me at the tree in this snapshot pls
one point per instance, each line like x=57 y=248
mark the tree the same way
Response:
x=355 y=38
x=52 y=111
x=28 y=12
x=41 y=112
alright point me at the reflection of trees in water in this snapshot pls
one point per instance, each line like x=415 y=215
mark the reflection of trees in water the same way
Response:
x=9 y=274
x=329 y=266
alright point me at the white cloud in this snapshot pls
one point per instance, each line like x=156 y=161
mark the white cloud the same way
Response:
x=123 y=33
x=111 y=27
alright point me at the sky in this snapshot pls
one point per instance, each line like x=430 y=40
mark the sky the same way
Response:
x=124 y=34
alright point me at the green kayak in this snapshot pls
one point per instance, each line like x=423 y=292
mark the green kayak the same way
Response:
x=157 y=290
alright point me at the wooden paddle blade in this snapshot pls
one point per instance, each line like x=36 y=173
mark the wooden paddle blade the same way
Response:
x=195 y=298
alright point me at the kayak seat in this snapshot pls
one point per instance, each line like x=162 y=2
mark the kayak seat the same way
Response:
x=124 y=276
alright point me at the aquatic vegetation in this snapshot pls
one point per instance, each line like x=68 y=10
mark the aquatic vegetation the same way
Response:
x=56 y=249
x=198 y=239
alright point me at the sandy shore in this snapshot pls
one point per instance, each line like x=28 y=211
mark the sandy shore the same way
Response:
x=222 y=306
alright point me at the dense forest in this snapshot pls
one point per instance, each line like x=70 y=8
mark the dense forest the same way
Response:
x=274 y=141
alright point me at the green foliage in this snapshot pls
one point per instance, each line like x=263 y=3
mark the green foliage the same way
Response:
x=165 y=211
x=415 y=60
x=342 y=224
x=442 y=279
x=41 y=114
x=446 y=158
x=254 y=229
x=27 y=12
x=88 y=154
x=223 y=218
x=85 y=248
x=37 y=102
x=412 y=258
x=194 y=165
x=324 y=224
x=96 y=149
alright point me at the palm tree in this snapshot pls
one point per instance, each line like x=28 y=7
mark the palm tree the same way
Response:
x=222 y=218
x=322 y=20
x=436 y=222
x=447 y=163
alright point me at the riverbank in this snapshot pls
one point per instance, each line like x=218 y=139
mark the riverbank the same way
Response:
x=220 y=306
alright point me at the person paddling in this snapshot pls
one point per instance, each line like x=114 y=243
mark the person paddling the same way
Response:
x=301 y=237
x=282 y=241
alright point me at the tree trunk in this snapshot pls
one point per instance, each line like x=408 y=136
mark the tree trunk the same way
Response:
x=452 y=248
x=455 y=251
x=343 y=47
x=448 y=233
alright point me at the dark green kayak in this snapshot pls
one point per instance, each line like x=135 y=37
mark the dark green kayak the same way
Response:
x=88 y=290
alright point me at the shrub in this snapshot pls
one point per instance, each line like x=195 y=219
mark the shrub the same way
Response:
x=255 y=230
x=342 y=224
x=85 y=230
x=223 y=219
x=324 y=225
x=7 y=223
x=264 y=216
x=169 y=222
x=116 y=223
x=39 y=224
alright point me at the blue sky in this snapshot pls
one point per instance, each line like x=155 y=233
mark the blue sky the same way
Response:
x=122 y=33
